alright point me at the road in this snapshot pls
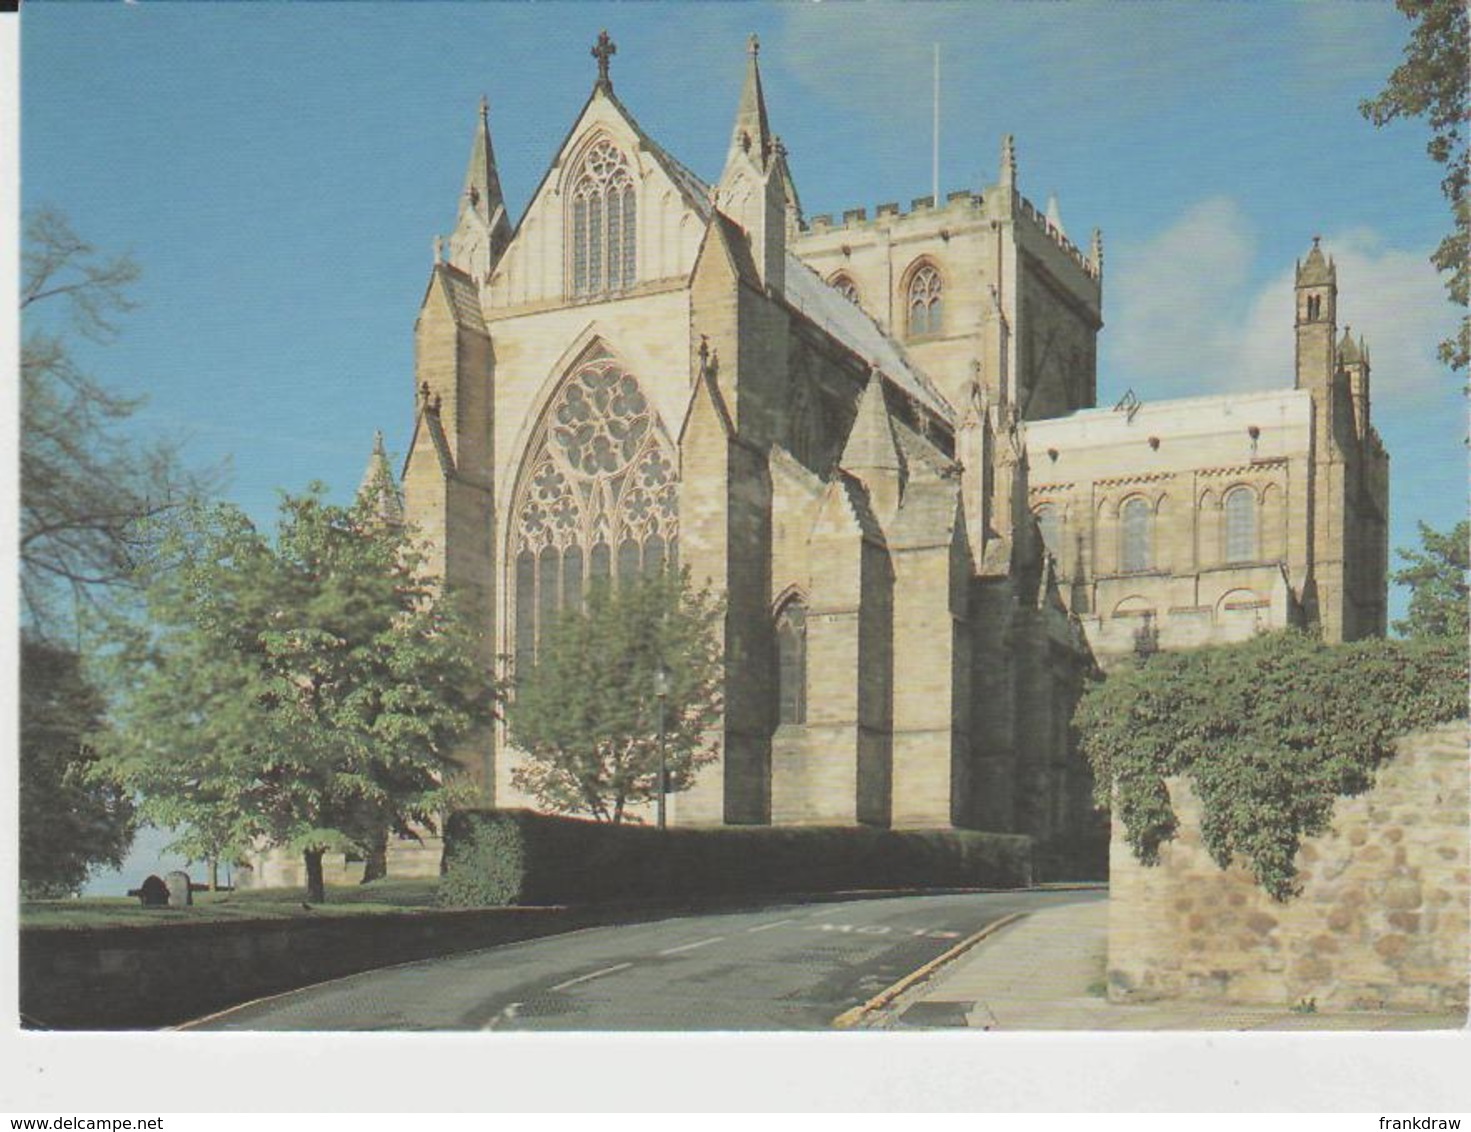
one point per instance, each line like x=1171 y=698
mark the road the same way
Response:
x=782 y=967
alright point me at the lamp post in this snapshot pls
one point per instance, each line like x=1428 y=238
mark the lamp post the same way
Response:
x=661 y=692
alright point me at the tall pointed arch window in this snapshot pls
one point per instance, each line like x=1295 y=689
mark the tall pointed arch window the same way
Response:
x=791 y=662
x=1240 y=508
x=604 y=223
x=925 y=301
x=1136 y=521
x=596 y=503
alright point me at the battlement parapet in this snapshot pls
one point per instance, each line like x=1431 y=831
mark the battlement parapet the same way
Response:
x=1031 y=212
x=964 y=200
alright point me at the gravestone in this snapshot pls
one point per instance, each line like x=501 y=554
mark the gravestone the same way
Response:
x=152 y=893
x=178 y=885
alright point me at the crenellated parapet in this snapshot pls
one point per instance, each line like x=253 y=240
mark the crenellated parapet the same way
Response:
x=959 y=202
x=1086 y=263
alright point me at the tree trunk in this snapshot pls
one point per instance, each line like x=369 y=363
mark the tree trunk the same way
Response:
x=214 y=874
x=375 y=865
x=316 y=890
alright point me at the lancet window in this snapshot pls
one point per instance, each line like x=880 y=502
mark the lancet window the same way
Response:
x=926 y=301
x=791 y=663
x=1240 y=508
x=597 y=503
x=604 y=223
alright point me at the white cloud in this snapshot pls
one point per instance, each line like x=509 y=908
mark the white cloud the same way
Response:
x=1190 y=315
x=1174 y=304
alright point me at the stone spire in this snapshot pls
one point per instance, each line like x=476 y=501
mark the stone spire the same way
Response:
x=379 y=488
x=755 y=190
x=1315 y=270
x=871 y=452
x=482 y=230
x=751 y=133
x=1007 y=175
x=1348 y=351
x=1095 y=252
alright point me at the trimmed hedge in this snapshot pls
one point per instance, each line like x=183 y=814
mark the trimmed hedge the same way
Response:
x=496 y=857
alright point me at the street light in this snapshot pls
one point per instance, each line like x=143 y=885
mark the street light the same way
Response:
x=661 y=691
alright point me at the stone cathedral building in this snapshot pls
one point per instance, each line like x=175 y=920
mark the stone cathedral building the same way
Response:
x=878 y=436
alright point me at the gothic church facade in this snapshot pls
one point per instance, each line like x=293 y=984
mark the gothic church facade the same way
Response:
x=877 y=437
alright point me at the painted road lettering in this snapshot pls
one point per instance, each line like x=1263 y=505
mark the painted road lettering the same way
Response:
x=885 y=929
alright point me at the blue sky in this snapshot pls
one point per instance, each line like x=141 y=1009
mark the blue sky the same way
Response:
x=279 y=173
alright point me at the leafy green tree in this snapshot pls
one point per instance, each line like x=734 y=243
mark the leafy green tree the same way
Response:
x=89 y=498
x=1269 y=732
x=304 y=692
x=587 y=714
x=1432 y=84
x=88 y=493
x=69 y=821
x=1440 y=603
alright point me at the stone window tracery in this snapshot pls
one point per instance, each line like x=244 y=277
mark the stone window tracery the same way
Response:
x=1240 y=508
x=604 y=223
x=925 y=302
x=598 y=500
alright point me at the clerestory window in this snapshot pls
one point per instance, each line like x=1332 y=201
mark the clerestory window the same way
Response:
x=1240 y=510
x=604 y=223
x=1137 y=520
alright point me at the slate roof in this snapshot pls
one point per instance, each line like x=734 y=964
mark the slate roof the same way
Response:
x=850 y=325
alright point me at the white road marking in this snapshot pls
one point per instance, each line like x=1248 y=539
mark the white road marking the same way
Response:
x=592 y=975
x=506 y=1015
x=768 y=927
x=884 y=929
x=691 y=946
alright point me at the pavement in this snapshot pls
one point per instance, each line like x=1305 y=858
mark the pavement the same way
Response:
x=1045 y=970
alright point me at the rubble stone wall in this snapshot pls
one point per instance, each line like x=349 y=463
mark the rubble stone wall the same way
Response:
x=1381 y=921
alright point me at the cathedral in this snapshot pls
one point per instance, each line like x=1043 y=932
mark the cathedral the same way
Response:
x=877 y=436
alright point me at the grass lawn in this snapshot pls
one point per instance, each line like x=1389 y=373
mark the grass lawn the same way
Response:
x=246 y=904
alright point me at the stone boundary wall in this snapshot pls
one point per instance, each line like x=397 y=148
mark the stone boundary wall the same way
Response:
x=1381 y=921
x=142 y=977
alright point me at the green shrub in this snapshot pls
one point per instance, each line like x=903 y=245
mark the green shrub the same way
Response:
x=482 y=864
x=1269 y=733
x=520 y=857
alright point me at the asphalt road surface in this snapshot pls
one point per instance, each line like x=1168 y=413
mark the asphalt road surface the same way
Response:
x=782 y=967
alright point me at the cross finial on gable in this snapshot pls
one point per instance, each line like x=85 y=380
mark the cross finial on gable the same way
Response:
x=604 y=50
